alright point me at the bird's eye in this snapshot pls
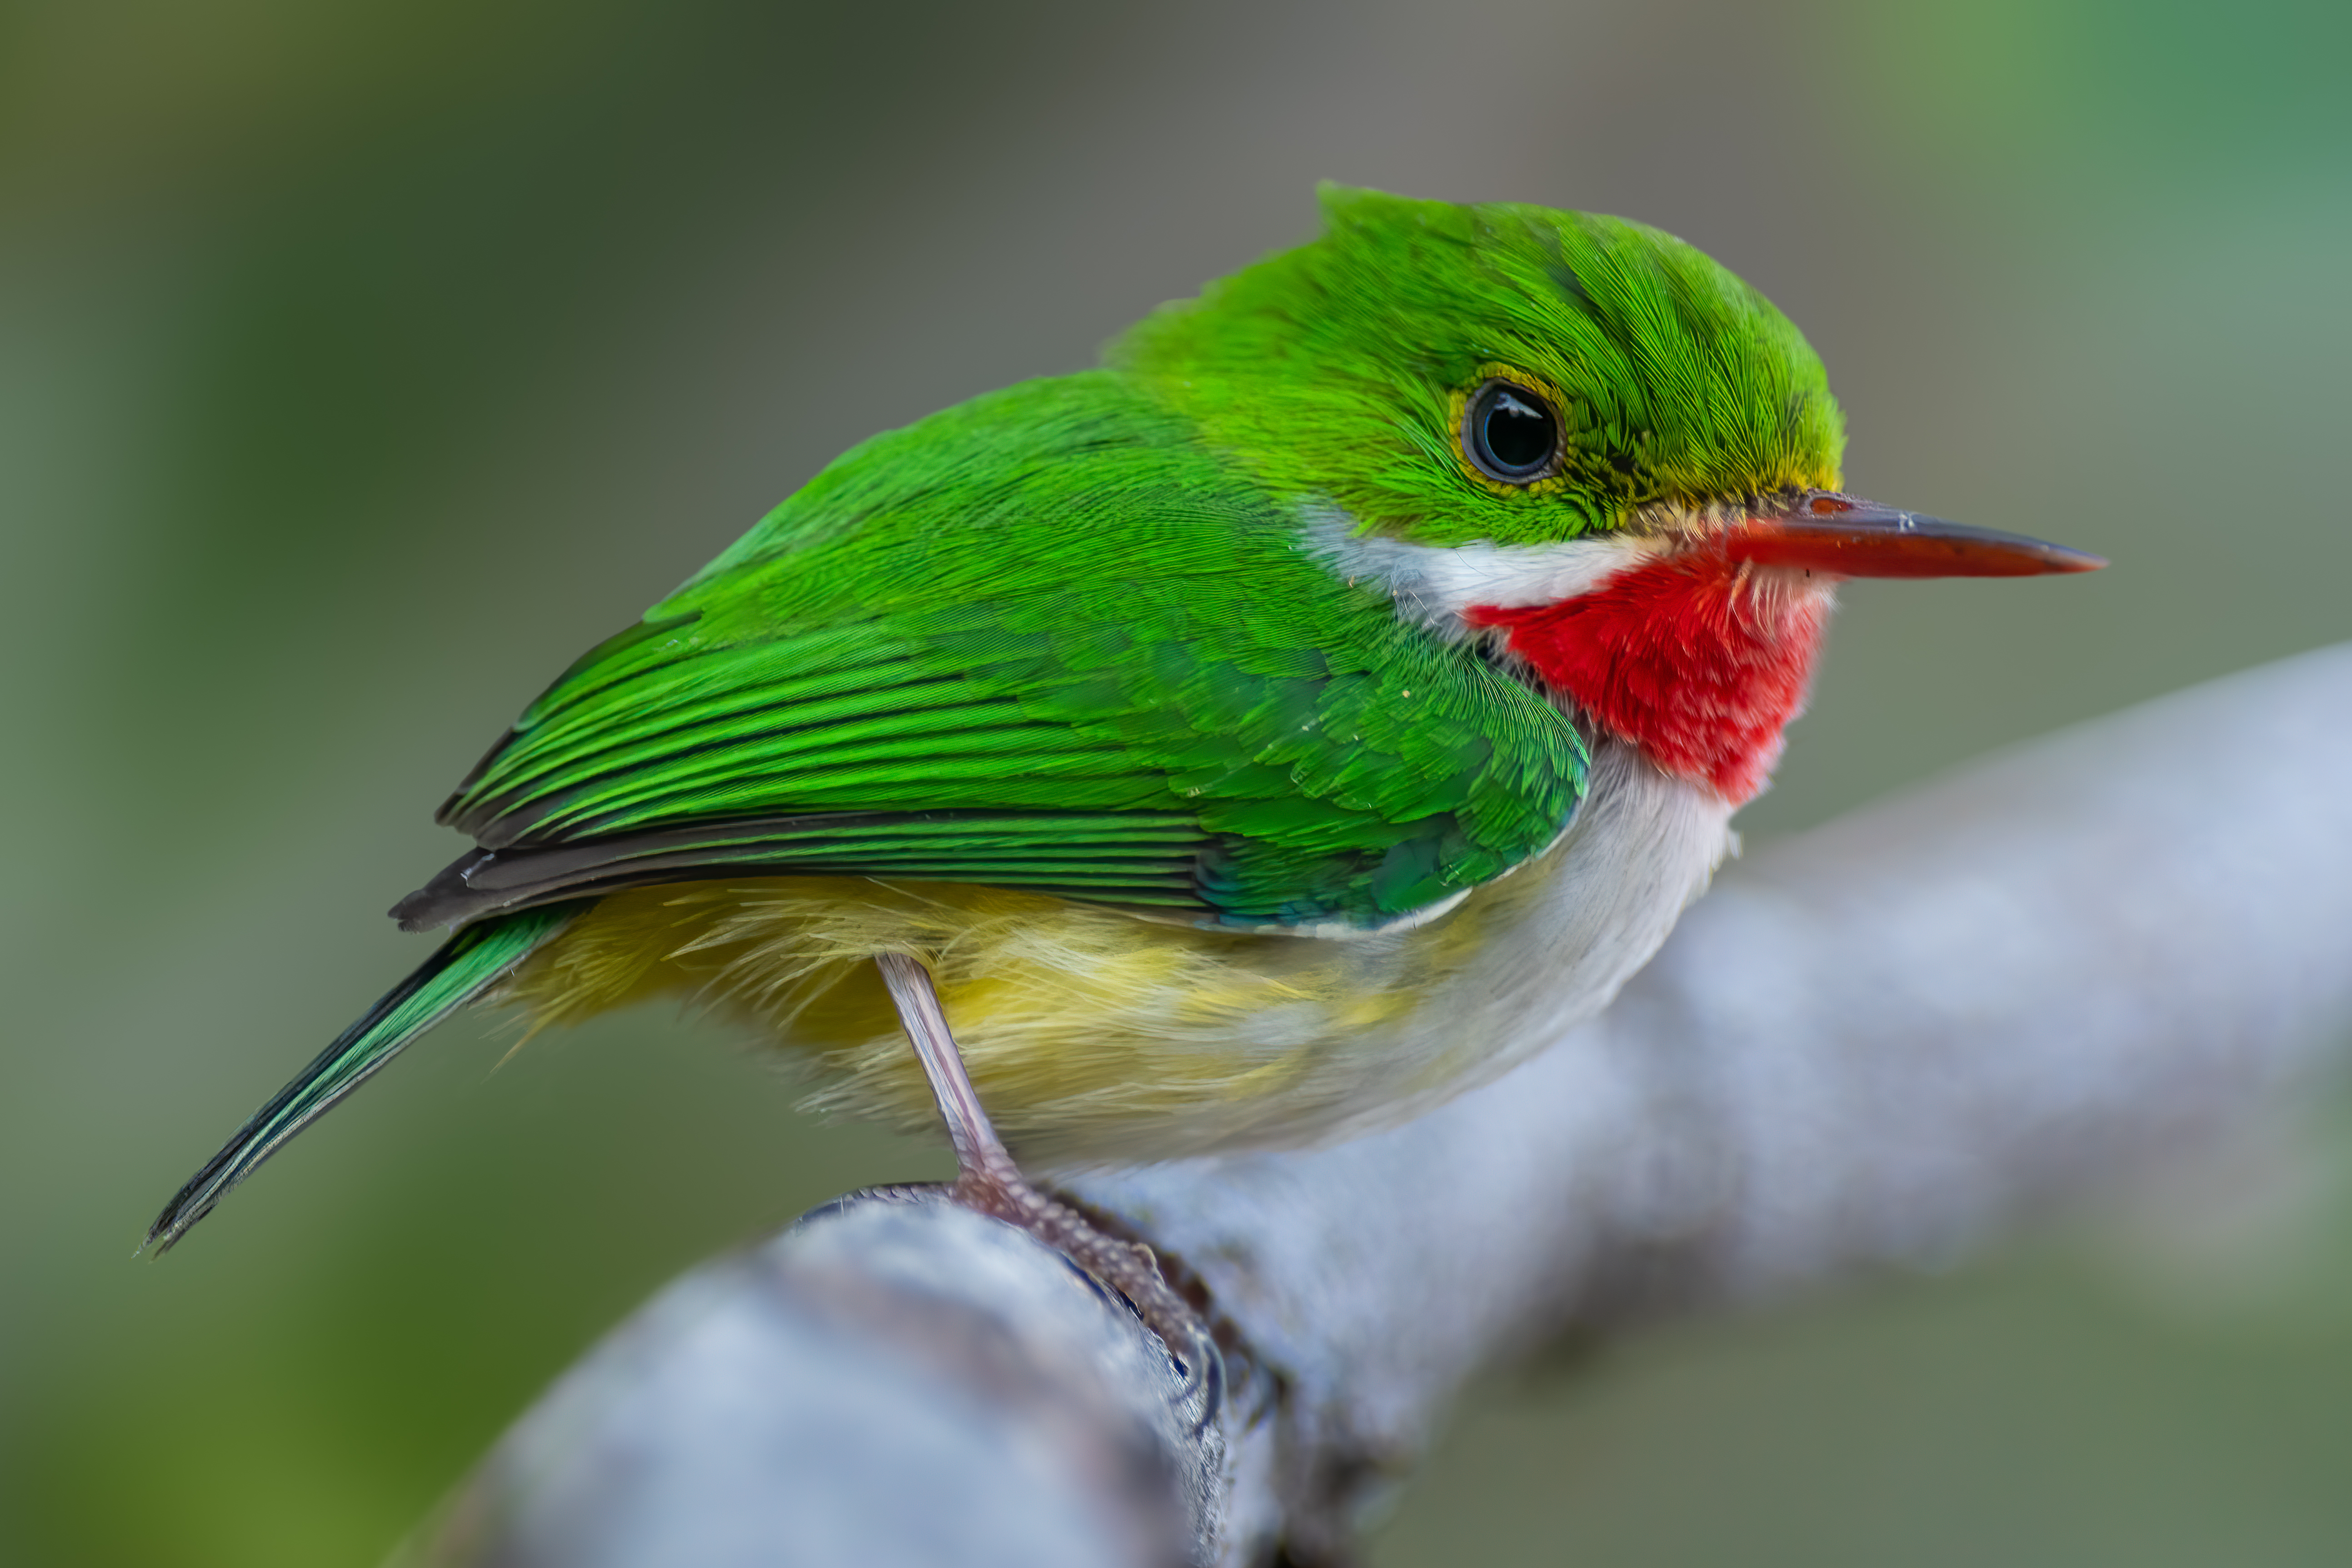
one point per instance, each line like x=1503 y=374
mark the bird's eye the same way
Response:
x=1510 y=433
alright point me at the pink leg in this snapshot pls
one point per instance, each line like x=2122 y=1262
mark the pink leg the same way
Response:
x=989 y=1182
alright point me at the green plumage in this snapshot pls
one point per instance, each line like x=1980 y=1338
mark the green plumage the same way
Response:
x=1072 y=637
x=1049 y=638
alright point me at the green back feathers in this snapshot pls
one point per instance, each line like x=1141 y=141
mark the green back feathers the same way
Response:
x=1046 y=639
x=1338 y=369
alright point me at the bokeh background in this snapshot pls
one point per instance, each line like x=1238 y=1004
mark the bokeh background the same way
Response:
x=360 y=364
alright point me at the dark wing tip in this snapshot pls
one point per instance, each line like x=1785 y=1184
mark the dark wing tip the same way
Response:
x=446 y=898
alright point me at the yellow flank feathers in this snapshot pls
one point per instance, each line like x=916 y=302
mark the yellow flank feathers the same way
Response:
x=1089 y=1033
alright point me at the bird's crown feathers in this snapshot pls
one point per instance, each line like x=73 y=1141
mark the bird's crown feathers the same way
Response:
x=1358 y=368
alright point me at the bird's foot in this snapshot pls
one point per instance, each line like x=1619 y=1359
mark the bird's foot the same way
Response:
x=989 y=1183
x=997 y=1188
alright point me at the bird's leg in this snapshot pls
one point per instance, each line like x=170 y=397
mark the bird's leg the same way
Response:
x=989 y=1182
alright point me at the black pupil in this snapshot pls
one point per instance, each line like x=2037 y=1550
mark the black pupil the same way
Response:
x=1516 y=431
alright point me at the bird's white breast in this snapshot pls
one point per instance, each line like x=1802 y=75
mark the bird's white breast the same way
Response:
x=1538 y=952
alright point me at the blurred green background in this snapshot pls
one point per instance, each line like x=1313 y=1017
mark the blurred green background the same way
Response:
x=360 y=363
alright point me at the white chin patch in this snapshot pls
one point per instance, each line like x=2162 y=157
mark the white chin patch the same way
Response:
x=1435 y=584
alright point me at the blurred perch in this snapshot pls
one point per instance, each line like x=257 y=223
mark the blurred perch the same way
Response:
x=1871 y=1045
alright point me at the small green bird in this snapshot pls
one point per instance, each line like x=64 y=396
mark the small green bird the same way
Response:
x=1248 y=743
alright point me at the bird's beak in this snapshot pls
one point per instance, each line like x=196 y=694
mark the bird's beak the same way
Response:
x=1845 y=537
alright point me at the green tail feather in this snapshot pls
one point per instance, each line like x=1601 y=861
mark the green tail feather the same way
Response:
x=465 y=967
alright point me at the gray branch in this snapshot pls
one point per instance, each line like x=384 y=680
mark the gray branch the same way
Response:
x=1871 y=1045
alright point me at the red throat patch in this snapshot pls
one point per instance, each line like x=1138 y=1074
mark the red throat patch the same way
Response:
x=1691 y=658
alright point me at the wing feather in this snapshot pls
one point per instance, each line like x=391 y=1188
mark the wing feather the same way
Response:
x=1043 y=640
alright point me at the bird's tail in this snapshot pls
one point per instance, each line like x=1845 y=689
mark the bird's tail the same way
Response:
x=467 y=964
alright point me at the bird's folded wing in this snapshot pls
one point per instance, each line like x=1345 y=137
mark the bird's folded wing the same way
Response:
x=1101 y=666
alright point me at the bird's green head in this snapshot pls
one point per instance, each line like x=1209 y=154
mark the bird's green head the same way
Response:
x=1446 y=374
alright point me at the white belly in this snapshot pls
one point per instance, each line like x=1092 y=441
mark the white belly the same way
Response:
x=1523 y=959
